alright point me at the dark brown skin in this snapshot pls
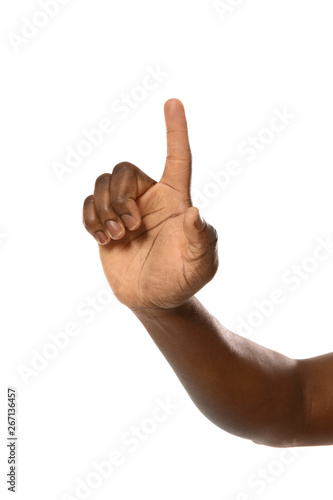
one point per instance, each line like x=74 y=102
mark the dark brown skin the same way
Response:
x=157 y=267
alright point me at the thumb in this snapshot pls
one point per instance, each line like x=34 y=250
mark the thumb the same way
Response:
x=201 y=235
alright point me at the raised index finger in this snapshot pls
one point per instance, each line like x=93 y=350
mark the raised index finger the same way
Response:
x=177 y=170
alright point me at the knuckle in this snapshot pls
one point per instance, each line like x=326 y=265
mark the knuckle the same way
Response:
x=120 y=200
x=89 y=222
x=215 y=235
x=88 y=201
x=123 y=167
x=103 y=179
x=104 y=212
x=212 y=263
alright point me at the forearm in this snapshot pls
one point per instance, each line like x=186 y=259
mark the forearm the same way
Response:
x=242 y=387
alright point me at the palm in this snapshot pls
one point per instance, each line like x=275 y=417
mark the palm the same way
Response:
x=150 y=266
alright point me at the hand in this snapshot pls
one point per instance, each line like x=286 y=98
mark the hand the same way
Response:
x=161 y=257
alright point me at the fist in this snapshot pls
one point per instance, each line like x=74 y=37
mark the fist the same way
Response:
x=155 y=250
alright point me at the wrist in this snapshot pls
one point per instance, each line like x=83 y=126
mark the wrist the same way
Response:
x=161 y=312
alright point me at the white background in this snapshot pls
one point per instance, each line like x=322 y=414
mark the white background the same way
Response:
x=230 y=72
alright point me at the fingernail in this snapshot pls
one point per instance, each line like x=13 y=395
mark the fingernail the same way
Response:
x=115 y=229
x=101 y=237
x=129 y=221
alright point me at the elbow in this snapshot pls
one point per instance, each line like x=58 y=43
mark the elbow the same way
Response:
x=287 y=425
x=277 y=441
